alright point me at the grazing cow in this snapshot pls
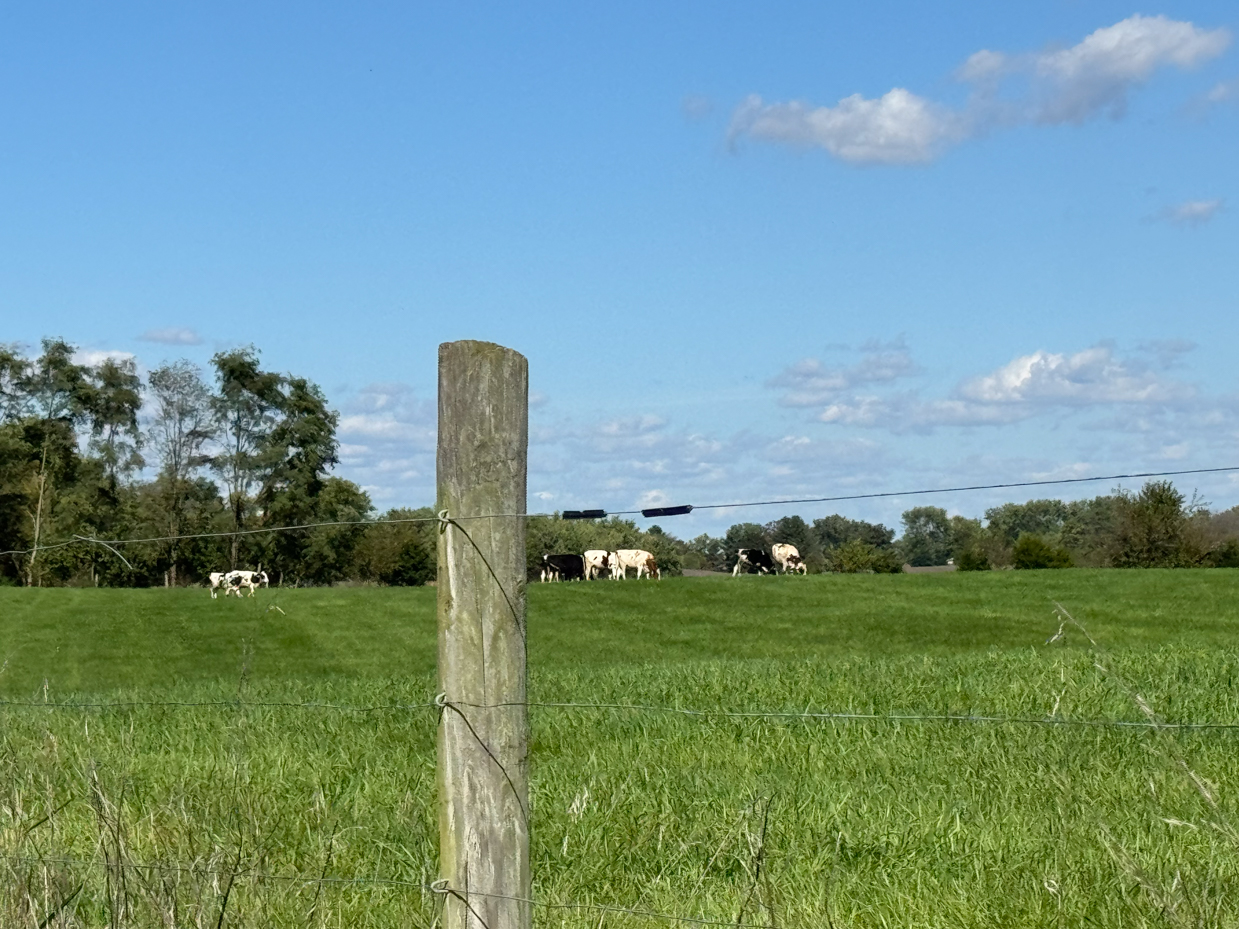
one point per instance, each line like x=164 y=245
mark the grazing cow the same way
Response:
x=755 y=558
x=787 y=557
x=596 y=561
x=563 y=567
x=637 y=558
x=251 y=579
x=217 y=580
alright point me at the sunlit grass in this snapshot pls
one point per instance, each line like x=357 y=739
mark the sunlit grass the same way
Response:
x=877 y=823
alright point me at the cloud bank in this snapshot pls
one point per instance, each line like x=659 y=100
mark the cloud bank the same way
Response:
x=1051 y=87
x=1030 y=385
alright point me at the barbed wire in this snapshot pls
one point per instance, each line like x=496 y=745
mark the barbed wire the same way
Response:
x=649 y=512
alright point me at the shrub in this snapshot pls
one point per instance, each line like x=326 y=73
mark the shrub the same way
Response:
x=859 y=557
x=972 y=559
x=1225 y=555
x=1032 y=552
x=413 y=566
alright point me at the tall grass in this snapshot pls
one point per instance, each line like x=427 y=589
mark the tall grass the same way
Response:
x=769 y=821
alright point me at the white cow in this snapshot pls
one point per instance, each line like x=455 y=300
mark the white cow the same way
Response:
x=251 y=579
x=217 y=580
x=597 y=561
x=637 y=558
x=787 y=557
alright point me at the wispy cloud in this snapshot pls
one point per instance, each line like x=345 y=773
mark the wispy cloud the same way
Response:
x=172 y=335
x=1030 y=385
x=1065 y=85
x=898 y=128
x=810 y=383
x=1190 y=212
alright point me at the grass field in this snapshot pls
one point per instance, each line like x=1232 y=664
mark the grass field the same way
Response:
x=878 y=823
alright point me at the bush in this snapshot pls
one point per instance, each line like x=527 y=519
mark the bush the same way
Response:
x=1225 y=555
x=1033 y=552
x=972 y=559
x=413 y=567
x=859 y=557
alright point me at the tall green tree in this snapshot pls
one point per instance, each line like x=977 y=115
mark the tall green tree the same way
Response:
x=113 y=400
x=301 y=449
x=836 y=530
x=182 y=426
x=56 y=393
x=246 y=405
x=1153 y=529
x=926 y=536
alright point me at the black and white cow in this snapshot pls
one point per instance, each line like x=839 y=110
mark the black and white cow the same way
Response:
x=597 y=561
x=755 y=558
x=563 y=567
x=787 y=557
x=252 y=580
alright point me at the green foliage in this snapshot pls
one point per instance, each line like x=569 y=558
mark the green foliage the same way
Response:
x=1225 y=555
x=413 y=567
x=1043 y=518
x=926 y=536
x=833 y=531
x=1153 y=529
x=856 y=556
x=972 y=559
x=1031 y=552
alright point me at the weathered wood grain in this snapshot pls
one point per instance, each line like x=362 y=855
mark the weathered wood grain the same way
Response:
x=483 y=757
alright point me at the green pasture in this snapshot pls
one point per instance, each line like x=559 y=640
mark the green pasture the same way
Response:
x=762 y=821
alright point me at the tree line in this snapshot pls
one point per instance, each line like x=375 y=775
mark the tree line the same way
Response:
x=207 y=462
x=1156 y=526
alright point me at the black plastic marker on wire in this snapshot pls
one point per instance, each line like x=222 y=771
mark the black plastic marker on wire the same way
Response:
x=668 y=510
x=583 y=514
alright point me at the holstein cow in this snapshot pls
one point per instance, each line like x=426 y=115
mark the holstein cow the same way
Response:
x=636 y=558
x=596 y=561
x=217 y=581
x=563 y=567
x=755 y=558
x=788 y=558
x=251 y=579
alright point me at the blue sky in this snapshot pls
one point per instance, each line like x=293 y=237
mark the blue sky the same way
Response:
x=750 y=250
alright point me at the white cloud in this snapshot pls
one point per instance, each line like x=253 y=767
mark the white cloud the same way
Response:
x=898 y=128
x=1092 y=376
x=1028 y=386
x=810 y=383
x=1077 y=83
x=387 y=443
x=1065 y=85
x=1190 y=212
x=172 y=335
x=1223 y=92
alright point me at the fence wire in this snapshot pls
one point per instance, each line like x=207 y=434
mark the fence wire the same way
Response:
x=439 y=888
x=600 y=513
x=440 y=702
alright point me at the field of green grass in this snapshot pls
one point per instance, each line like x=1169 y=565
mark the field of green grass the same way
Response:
x=763 y=821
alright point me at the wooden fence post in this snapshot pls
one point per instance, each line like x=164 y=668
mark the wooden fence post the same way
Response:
x=483 y=738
